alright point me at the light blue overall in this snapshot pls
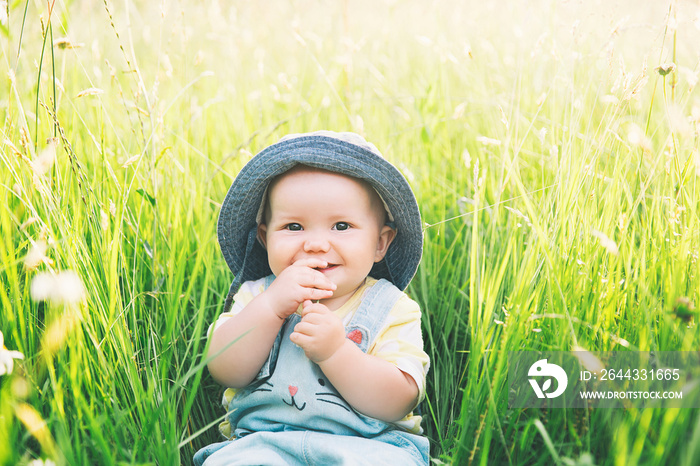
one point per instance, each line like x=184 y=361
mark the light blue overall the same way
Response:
x=291 y=414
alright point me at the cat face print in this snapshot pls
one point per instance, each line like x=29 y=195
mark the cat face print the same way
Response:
x=299 y=396
x=296 y=396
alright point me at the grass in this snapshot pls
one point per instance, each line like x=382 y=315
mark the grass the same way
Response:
x=556 y=169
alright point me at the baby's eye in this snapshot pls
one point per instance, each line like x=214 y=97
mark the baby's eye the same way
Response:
x=341 y=226
x=293 y=227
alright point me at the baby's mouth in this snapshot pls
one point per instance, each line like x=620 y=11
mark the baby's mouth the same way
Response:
x=327 y=268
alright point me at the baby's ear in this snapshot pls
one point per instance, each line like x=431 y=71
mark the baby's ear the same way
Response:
x=386 y=236
x=262 y=235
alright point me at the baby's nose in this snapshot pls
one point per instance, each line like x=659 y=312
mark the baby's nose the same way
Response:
x=316 y=243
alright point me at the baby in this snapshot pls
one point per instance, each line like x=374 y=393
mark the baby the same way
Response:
x=321 y=349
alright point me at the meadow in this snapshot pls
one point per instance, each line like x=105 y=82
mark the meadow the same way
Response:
x=552 y=146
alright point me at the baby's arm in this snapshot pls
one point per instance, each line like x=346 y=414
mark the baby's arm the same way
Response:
x=371 y=385
x=258 y=323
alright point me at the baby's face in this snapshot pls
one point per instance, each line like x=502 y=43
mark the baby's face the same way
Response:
x=328 y=216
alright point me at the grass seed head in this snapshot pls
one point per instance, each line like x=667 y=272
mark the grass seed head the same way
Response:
x=90 y=91
x=622 y=222
x=488 y=141
x=459 y=111
x=666 y=68
x=25 y=140
x=37 y=256
x=63 y=43
x=467 y=158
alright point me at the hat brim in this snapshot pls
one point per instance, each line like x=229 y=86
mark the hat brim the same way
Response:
x=237 y=218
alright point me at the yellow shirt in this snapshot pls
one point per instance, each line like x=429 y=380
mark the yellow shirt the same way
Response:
x=400 y=340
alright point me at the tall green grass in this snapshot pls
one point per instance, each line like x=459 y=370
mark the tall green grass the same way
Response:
x=556 y=170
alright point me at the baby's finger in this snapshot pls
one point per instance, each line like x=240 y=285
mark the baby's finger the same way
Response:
x=313 y=308
x=299 y=339
x=311 y=262
x=309 y=275
x=315 y=279
x=305 y=306
x=314 y=294
x=303 y=328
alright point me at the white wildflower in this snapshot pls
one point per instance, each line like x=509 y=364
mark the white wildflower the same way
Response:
x=167 y=65
x=636 y=137
x=36 y=255
x=690 y=76
x=609 y=99
x=407 y=172
x=7 y=357
x=3 y=12
x=606 y=242
x=677 y=120
x=358 y=124
x=40 y=462
x=623 y=342
x=46 y=158
x=588 y=359
x=65 y=287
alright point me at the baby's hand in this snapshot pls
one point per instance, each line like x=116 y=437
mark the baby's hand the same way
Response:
x=297 y=283
x=320 y=333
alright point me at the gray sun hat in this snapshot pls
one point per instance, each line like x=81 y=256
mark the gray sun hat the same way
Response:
x=345 y=153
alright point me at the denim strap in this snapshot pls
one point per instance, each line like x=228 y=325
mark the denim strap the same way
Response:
x=374 y=309
x=238 y=279
x=269 y=366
